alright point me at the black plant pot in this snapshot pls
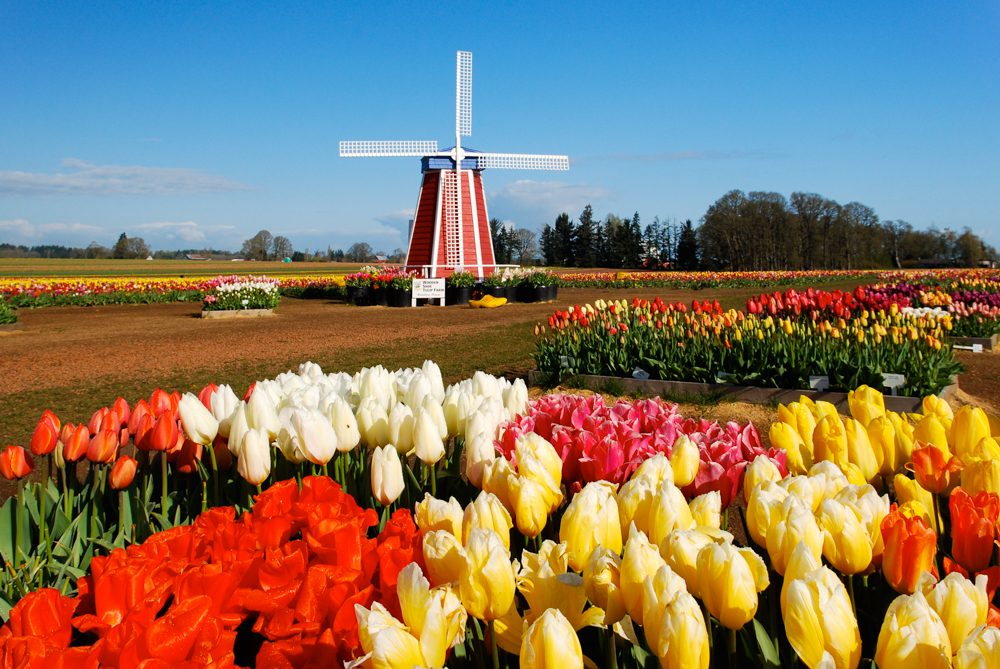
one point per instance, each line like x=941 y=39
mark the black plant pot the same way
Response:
x=359 y=295
x=380 y=296
x=526 y=293
x=553 y=293
x=541 y=293
x=495 y=291
x=457 y=294
x=400 y=297
x=510 y=292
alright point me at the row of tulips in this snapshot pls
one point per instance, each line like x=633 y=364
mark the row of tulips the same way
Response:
x=235 y=293
x=705 y=345
x=635 y=567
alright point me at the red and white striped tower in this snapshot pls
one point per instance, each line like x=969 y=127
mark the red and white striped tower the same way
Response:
x=451 y=224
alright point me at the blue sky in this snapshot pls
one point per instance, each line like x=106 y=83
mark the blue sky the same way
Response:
x=199 y=124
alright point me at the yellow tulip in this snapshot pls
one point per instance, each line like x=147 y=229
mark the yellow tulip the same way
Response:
x=795 y=523
x=551 y=643
x=684 y=461
x=533 y=469
x=545 y=585
x=913 y=636
x=932 y=404
x=508 y=629
x=531 y=505
x=634 y=500
x=800 y=417
x=819 y=618
x=846 y=543
x=656 y=469
x=802 y=488
x=373 y=622
x=760 y=470
x=641 y=559
x=982 y=468
x=801 y=562
x=830 y=441
x=682 y=640
x=659 y=590
x=668 y=511
x=487 y=512
x=436 y=514
x=866 y=404
x=822 y=409
x=729 y=580
x=680 y=551
x=882 y=437
x=827 y=479
x=904 y=435
x=785 y=437
x=496 y=481
x=591 y=520
x=434 y=617
x=486 y=581
x=930 y=431
x=859 y=450
x=601 y=582
x=706 y=510
x=443 y=555
x=969 y=427
x=543 y=451
x=994 y=424
x=961 y=605
x=763 y=510
x=980 y=650
x=870 y=507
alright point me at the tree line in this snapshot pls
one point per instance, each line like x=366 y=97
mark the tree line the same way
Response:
x=757 y=231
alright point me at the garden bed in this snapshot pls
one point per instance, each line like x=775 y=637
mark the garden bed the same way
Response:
x=988 y=343
x=237 y=313
x=685 y=390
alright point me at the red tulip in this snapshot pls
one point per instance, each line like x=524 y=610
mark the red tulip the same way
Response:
x=95 y=421
x=143 y=433
x=205 y=396
x=76 y=447
x=123 y=438
x=67 y=431
x=15 y=463
x=159 y=402
x=123 y=472
x=52 y=418
x=120 y=407
x=141 y=409
x=111 y=422
x=163 y=434
x=45 y=437
x=910 y=548
x=934 y=469
x=973 y=521
x=223 y=458
x=246 y=398
x=103 y=447
x=45 y=615
x=187 y=456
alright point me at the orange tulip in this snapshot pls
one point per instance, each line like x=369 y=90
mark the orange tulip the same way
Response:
x=205 y=396
x=910 y=548
x=973 y=522
x=123 y=472
x=103 y=447
x=189 y=453
x=164 y=433
x=66 y=432
x=934 y=469
x=159 y=403
x=120 y=409
x=110 y=422
x=141 y=409
x=123 y=437
x=76 y=447
x=143 y=433
x=95 y=421
x=15 y=463
x=52 y=418
x=45 y=437
x=223 y=457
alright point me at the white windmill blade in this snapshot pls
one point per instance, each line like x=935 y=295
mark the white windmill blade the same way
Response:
x=522 y=161
x=387 y=148
x=463 y=94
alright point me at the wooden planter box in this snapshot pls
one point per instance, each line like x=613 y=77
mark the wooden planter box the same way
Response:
x=11 y=327
x=685 y=389
x=240 y=313
x=989 y=344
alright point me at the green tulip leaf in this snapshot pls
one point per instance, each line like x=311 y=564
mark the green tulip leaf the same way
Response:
x=767 y=647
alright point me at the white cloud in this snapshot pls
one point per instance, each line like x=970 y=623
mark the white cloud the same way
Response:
x=189 y=231
x=114 y=180
x=540 y=201
x=24 y=230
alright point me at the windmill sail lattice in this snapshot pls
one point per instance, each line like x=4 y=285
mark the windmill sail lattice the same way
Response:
x=450 y=229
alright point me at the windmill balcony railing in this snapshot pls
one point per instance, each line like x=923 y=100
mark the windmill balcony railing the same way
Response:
x=440 y=272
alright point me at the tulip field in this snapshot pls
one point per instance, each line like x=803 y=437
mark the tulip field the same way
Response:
x=357 y=515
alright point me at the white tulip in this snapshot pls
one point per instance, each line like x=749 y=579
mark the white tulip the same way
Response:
x=310 y=370
x=261 y=414
x=224 y=402
x=401 y=428
x=238 y=428
x=484 y=384
x=290 y=444
x=373 y=422
x=476 y=426
x=480 y=452
x=433 y=372
x=345 y=425
x=255 y=457
x=427 y=439
x=316 y=435
x=387 y=475
x=199 y=425
x=434 y=408
x=419 y=388
x=516 y=398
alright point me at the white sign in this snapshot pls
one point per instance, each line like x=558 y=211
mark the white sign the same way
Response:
x=640 y=373
x=722 y=377
x=977 y=348
x=819 y=383
x=893 y=381
x=432 y=289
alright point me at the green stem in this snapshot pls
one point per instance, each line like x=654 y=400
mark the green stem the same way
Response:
x=434 y=480
x=609 y=647
x=259 y=491
x=20 y=522
x=326 y=473
x=163 y=480
x=43 y=495
x=121 y=512
x=96 y=500
x=215 y=475
x=204 y=496
x=731 y=648
x=478 y=642
x=850 y=591
x=493 y=643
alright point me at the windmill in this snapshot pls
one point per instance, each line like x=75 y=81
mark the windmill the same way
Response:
x=451 y=225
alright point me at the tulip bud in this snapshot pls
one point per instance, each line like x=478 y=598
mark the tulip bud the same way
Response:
x=760 y=470
x=531 y=502
x=640 y=560
x=77 y=445
x=487 y=512
x=910 y=548
x=682 y=640
x=634 y=500
x=551 y=643
x=601 y=582
x=866 y=404
x=480 y=452
x=15 y=463
x=729 y=580
x=163 y=434
x=591 y=520
x=667 y=512
x=532 y=449
x=684 y=461
x=486 y=581
x=680 y=551
x=436 y=514
x=45 y=437
x=658 y=591
x=859 y=450
x=427 y=440
x=819 y=619
x=795 y=523
x=254 y=462
x=706 y=510
x=401 y=428
x=345 y=424
x=104 y=447
x=516 y=398
x=260 y=414
x=443 y=555
x=935 y=470
x=658 y=469
x=123 y=472
x=317 y=437
x=846 y=543
x=199 y=425
x=387 y=475
x=962 y=605
x=764 y=510
x=980 y=649
x=94 y=425
x=830 y=441
x=433 y=407
x=931 y=431
x=496 y=481
x=913 y=635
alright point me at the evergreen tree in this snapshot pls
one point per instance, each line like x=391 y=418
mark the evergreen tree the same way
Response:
x=651 y=244
x=120 y=249
x=687 y=248
x=565 y=240
x=585 y=232
x=600 y=246
x=548 y=246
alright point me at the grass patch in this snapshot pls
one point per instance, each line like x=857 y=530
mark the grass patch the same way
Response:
x=612 y=387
